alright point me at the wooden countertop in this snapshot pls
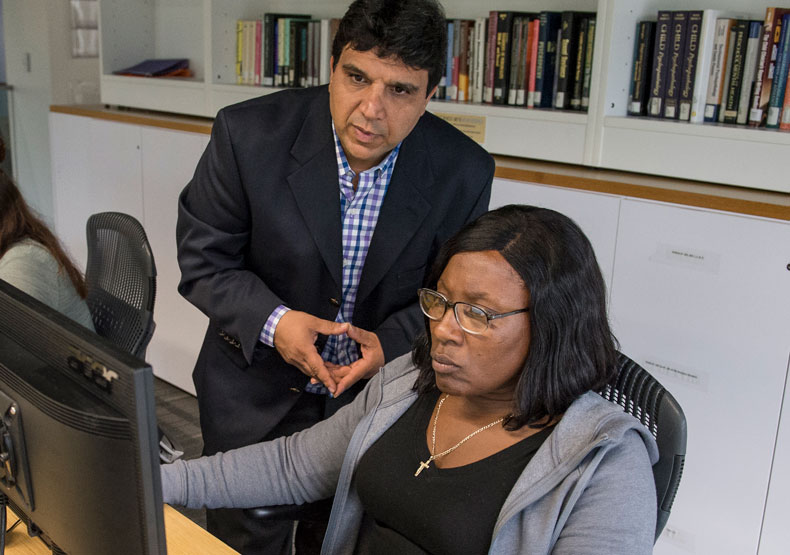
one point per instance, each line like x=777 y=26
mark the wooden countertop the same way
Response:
x=739 y=200
x=183 y=537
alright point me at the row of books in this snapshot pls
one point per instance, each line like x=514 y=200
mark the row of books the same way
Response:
x=284 y=50
x=536 y=60
x=713 y=66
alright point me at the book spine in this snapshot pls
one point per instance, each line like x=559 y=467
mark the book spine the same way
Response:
x=534 y=33
x=325 y=52
x=258 y=31
x=472 y=45
x=488 y=90
x=773 y=47
x=566 y=60
x=716 y=77
x=784 y=120
x=540 y=64
x=516 y=52
x=291 y=48
x=457 y=33
x=481 y=24
x=463 y=63
x=276 y=56
x=733 y=90
x=727 y=70
x=704 y=59
x=749 y=71
x=660 y=61
x=763 y=62
x=578 y=66
x=776 y=100
x=267 y=35
x=588 y=62
x=502 y=67
x=239 y=51
x=281 y=52
x=688 y=71
x=642 y=55
x=555 y=77
x=677 y=42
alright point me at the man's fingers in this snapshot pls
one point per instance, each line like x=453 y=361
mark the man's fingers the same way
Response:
x=327 y=327
x=318 y=370
x=363 y=337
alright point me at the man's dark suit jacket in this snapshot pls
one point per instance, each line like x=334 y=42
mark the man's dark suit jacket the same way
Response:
x=259 y=225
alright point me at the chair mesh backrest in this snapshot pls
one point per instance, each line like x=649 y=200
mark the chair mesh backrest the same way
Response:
x=642 y=396
x=121 y=280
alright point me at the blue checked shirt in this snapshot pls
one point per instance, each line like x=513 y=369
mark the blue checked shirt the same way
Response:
x=359 y=211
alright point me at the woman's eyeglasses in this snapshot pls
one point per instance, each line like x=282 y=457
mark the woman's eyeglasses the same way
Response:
x=472 y=318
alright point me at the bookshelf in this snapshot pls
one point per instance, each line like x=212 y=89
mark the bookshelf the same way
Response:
x=204 y=32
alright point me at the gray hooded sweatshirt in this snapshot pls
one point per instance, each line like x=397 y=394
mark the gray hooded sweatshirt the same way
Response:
x=589 y=488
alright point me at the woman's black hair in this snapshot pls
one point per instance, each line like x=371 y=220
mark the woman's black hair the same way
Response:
x=571 y=347
x=414 y=31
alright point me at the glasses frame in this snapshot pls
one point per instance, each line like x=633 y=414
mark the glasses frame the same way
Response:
x=454 y=306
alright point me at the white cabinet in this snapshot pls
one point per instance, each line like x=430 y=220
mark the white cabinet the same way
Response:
x=169 y=160
x=101 y=165
x=204 y=32
x=700 y=299
x=96 y=167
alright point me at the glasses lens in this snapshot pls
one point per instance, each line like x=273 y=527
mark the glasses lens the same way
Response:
x=472 y=318
x=432 y=304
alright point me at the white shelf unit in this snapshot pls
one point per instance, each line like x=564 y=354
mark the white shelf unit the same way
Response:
x=204 y=32
x=727 y=154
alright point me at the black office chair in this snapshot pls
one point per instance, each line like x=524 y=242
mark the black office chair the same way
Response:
x=638 y=393
x=643 y=397
x=121 y=281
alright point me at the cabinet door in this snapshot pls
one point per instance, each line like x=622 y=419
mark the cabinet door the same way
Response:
x=595 y=213
x=775 y=537
x=96 y=167
x=700 y=299
x=169 y=159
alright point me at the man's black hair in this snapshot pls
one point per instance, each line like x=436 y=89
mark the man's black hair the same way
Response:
x=414 y=31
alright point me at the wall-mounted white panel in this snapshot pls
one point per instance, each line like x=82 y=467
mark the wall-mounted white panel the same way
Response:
x=700 y=299
x=97 y=168
x=595 y=213
x=169 y=159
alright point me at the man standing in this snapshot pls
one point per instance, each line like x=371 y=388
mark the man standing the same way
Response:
x=307 y=230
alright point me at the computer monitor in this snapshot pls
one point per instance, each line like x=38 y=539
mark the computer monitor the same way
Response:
x=78 y=441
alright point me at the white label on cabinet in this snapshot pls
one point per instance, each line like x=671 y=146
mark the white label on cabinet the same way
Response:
x=675 y=372
x=678 y=537
x=684 y=257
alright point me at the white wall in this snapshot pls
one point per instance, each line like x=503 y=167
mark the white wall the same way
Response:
x=39 y=67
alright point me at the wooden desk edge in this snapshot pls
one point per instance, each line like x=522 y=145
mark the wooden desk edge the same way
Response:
x=182 y=536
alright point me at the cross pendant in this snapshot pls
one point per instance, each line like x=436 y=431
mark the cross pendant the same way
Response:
x=423 y=466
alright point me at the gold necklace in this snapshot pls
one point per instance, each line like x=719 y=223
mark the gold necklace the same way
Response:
x=427 y=462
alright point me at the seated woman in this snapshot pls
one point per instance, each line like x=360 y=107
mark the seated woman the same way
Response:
x=31 y=258
x=489 y=438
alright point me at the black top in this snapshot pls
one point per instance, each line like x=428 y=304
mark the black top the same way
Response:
x=443 y=510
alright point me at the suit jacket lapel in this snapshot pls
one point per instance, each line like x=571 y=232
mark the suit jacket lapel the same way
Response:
x=314 y=184
x=403 y=211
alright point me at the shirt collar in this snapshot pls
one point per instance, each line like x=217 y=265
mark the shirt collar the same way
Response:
x=344 y=169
